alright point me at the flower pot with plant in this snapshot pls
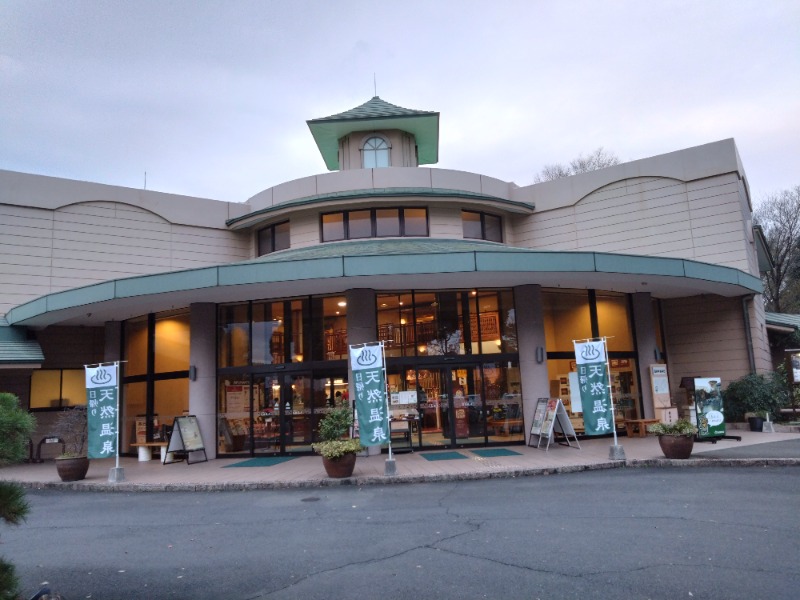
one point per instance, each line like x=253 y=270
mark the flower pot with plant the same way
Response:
x=72 y=427
x=338 y=452
x=676 y=439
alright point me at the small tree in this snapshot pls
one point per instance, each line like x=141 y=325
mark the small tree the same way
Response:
x=16 y=426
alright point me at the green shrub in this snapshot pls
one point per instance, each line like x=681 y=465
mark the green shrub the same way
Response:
x=755 y=393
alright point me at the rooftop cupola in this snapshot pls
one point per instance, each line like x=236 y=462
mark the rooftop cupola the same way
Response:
x=377 y=134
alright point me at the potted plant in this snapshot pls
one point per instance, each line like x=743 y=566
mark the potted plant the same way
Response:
x=676 y=439
x=72 y=427
x=338 y=452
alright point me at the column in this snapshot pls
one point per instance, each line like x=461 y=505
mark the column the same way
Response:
x=362 y=319
x=532 y=349
x=647 y=347
x=202 y=372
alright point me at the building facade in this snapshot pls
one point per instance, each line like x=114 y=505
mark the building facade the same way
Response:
x=241 y=313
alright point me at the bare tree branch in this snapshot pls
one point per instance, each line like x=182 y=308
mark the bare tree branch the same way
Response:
x=779 y=218
x=598 y=159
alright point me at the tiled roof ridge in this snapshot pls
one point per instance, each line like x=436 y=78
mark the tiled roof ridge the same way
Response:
x=375 y=107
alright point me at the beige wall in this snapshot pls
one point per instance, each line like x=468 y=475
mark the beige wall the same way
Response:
x=44 y=251
x=705 y=337
x=699 y=220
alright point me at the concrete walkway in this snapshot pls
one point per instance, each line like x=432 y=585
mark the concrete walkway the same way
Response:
x=307 y=471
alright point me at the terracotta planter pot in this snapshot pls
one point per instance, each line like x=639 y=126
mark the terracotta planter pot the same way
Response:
x=676 y=446
x=340 y=467
x=72 y=469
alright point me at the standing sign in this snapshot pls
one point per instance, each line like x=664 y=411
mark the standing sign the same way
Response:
x=708 y=404
x=184 y=440
x=554 y=420
x=590 y=359
x=538 y=416
x=102 y=410
x=659 y=384
x=366 y=361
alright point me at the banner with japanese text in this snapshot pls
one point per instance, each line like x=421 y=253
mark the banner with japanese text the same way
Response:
x=590 y=359
x=101 y=410
x=370 y=393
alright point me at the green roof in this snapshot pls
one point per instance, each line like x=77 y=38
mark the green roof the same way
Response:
x=16 y=348
x=377 y=114
x=783 y=320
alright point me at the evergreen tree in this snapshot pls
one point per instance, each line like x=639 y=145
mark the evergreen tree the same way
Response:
x=16 y=425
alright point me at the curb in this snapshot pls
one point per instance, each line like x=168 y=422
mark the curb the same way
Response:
x=125 y=487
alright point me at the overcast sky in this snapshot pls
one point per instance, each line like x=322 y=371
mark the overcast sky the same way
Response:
x=210 y=98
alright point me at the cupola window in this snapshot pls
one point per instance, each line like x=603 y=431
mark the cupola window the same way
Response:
x=375 y=153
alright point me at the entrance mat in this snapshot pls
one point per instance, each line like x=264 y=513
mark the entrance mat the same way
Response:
x=493 y=452
x=262 y=461
x=443 y=456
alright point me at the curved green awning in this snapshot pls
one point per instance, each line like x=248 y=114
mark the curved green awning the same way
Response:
x=390 y=264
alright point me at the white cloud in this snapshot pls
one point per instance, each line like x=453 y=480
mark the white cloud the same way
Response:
x=211 y=98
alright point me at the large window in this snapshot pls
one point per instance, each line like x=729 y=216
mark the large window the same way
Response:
x=376 y=222
x=273 y=238
x=57 y=388
x=375 y=153
x=156 y=373
x=282 y=331
x=447 y=323
x=481 y=226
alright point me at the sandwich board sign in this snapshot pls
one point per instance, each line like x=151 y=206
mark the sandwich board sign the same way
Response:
x=554 y=422
x=184 y=440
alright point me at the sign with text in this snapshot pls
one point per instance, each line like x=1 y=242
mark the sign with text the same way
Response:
x=708 y=404
x=366 y=361
x=592 y=365
x=101 y=410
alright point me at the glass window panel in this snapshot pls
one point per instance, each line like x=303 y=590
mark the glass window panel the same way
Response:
x=297 y=348
x=566 y=318
x=445 y=329
x=387 y=222
x=359 y=224
x=488 y=323
x=265 y=241
x=334 y=327
x=614 y=321
x=135 y=347
x=281 y=236
x=73 y=387
x=508 y=321
x=171 y=399
x=375 y=153
x=134 y=404
x=46 y=389
x=415 y=221
x=233 y=420
x=268 y=333
x=172 y=343
x=494 y=228
x=233 y=336
x=333 y=227
x=471 y=223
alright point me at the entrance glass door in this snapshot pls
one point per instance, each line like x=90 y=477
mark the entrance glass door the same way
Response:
x=451 y=406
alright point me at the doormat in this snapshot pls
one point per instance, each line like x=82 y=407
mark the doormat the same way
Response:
x=493 y=452
x=443 y=456
x=262 y=461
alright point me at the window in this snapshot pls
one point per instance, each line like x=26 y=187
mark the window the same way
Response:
x=375 y=153
x=377 y=222
x=481 y=226
x=57 y=388
x=273 y=238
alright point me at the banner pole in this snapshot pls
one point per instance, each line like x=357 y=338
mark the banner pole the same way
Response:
x=116 y=366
